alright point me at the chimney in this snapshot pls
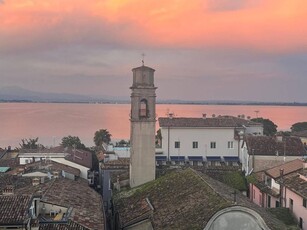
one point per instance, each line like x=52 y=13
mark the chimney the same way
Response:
x=8 y=190
x=279 y=138
x=170 y=115
x=213 y=115
x=204 y=116
x=55 y=174
x=35 y=181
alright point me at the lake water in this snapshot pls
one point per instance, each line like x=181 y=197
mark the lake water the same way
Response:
x=51 y=122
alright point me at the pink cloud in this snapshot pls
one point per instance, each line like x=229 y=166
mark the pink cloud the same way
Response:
x=271 y=25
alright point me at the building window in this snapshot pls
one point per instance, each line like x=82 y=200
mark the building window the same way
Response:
x=291 y=204
x=230 y=144
x=177 y=144
x=143 y=108
x=260 y=200
x=301 y=223
x=254 y=193
x=269 y=201
x=305 y=203
x=213 y=145
x=195 y=145
x=276 y=204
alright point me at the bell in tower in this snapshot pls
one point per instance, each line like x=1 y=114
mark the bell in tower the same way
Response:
x=143 y=126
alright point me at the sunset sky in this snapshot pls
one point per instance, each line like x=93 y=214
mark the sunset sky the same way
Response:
x=201 y=49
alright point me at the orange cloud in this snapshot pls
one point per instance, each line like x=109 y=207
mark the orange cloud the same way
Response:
x=271 y=25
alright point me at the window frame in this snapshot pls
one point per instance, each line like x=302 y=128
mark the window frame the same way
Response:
x=230 y=145
x=177 y=145
x=195 y=144
x=213 y=145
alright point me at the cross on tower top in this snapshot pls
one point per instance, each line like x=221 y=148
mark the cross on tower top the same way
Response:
x=143 y=55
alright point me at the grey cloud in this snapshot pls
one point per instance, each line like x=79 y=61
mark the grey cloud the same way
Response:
x=226 y=5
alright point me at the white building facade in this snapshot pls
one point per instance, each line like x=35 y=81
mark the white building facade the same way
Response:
x=205 y=138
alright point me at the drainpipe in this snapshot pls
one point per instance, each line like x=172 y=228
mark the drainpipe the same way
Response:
x=168 y=145
x=281 y=186
x=253 y=151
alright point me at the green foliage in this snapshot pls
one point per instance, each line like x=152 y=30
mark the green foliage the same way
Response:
x=95 y=161
x=122 y=143
x=235 y=180
x=31 y=143
x=102 y=136
x=299 y=126
x=285 y=133
x=269 y=128
x=284 y=215
x=158 y=138
x=73 y=142
x=251 y=179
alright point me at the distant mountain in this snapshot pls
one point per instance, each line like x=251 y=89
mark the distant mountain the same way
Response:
x=20 y=94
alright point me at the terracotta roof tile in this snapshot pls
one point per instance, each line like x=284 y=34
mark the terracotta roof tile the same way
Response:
x=297 y=182
x=77 y=194
x=300 y=133
x=288 y=167
x=14 y=209
x=221 y=121
x=51 y=166
x=183 y=199
x=270 y=146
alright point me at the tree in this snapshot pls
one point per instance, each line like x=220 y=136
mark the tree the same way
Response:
x=269 y=128
x=72 y=141
x=102 y=136
x=122 y=143
x=299 y=126
x=31 y=143
x=158 y=138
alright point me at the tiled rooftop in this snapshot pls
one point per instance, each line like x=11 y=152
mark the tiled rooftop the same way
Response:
x=300 y=134
x=86 y=203
x=182 y=199
x=288 y=167
x=51 y=166
x=220 y=121
x=270 y=146
x=119 y=163
x=69 y=226
x=297 y=184
x=78 y=156
x=14 y=209
x=16 y=181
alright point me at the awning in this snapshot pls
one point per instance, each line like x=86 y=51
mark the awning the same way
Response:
x=161 y=158
x=214 y=158
x=231 y=159
x=177 y=158
x=195 y=158
x=4 y=169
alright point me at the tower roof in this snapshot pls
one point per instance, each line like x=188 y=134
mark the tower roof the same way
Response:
x=143 y=67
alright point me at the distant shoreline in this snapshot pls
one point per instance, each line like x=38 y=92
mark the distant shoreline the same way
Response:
x=165 y=102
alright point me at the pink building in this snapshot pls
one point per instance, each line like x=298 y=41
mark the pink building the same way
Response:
x=284 y=185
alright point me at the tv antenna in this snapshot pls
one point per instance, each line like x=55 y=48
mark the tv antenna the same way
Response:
x=256 y=111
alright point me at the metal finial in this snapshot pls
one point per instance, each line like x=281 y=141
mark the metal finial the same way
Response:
x=143 y=55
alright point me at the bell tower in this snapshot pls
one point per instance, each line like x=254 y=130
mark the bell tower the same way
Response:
x=143 y=126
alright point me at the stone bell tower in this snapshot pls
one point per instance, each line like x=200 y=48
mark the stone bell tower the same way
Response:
x=143 y=126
